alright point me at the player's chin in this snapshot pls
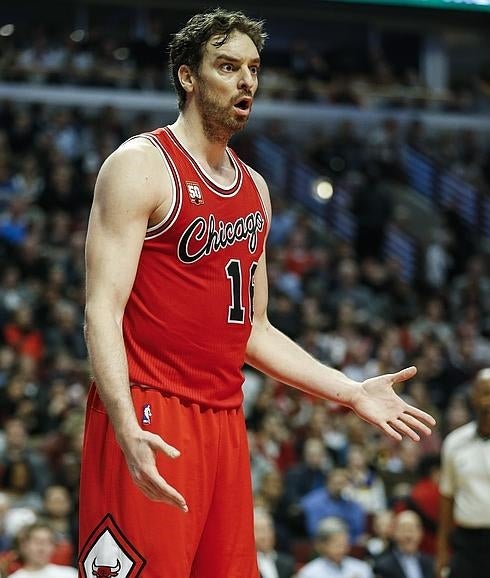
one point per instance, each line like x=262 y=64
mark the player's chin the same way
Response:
x=236 y=125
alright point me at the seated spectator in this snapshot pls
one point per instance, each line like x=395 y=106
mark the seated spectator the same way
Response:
x=57 y=514
x=424 y=499
x=37 y=546
x=270 y=497
x=332 y=545
x=22 y=335
x=365 y=486
x=329 y=501
x=17 y=447
x=17 y=481
x=405 y=560
x=381 y=535
x=273 y=440
x=399 y=472
x=272 y=564
x=309 y=474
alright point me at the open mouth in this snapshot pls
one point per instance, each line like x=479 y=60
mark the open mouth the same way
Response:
x=243 y=104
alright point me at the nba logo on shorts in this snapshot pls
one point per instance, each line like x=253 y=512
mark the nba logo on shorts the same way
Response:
x=146 y=419
x=195 y=194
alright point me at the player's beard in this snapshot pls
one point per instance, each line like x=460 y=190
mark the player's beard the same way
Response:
x=218 y=119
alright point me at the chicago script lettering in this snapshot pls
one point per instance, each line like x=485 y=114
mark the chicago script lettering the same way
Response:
x=203 y=237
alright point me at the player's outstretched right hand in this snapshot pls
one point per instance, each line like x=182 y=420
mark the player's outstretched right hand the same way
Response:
x=139 y=450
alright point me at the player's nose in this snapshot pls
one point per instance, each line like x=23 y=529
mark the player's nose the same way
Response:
x=246 y=80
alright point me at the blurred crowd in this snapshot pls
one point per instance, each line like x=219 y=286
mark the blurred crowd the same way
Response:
x=341 y=301
x=136 y=58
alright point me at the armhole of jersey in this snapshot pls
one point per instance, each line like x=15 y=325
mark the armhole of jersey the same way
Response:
x=176 y=204
x=259 y=194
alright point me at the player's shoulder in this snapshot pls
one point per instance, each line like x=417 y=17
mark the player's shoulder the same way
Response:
x=259 y=180
x=136 y=150
x=262 y=187
x=460 y=436
x=136 y=162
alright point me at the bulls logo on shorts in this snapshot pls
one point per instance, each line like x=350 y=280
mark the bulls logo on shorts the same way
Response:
x=108 y=554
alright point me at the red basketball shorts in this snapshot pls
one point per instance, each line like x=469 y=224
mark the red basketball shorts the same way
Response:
x=123 y=534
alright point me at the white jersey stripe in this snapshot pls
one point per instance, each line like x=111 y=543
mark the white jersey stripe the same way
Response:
x=176 y=205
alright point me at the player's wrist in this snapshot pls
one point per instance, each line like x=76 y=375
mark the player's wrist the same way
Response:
x=128 y=434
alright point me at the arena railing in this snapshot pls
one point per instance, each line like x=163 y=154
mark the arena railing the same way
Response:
x=445 y=189
x=297 y=180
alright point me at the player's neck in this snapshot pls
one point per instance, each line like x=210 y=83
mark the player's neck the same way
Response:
x=189 y=130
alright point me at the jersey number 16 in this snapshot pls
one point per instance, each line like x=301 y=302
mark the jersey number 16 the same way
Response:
x=236 y=311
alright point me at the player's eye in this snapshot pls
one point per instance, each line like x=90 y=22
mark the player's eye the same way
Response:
x=254 y=69
x=227 y=67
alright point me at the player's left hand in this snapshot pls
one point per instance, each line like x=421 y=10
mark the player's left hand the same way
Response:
x=378 y=404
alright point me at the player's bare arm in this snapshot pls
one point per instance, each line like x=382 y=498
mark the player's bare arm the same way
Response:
x=132 y=191
x=275 y=354
x=445 y=528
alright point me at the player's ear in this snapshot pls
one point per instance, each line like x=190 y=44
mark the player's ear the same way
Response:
x=186 y=78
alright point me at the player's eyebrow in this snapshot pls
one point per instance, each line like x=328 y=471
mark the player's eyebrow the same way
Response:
x=230 y=58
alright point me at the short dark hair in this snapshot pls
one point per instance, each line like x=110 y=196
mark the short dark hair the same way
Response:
x=187 y=45
x=27 y=531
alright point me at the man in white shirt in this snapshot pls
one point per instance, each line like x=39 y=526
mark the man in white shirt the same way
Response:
x=332 y=543
x=271 y=564
x=465 y=492
x=37 y=546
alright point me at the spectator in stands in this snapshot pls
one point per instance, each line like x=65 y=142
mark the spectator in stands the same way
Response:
x=424 y=500
x=332 y=545
x=405 y=560
x=373 y=205
x=37 y=546
x=365 y=486
x=432 y=321
x=349 y=287
x=310 y=473
x=22 y=334
x=399 y=471
x=438 y=260
x=472 y=287
x=57 y=513
x=273 y=440
x=17 y=447
x=457 y=413
x=272 y=564
x=17 y=480
x=270 y=497
x=331 y=500
x=381 y=535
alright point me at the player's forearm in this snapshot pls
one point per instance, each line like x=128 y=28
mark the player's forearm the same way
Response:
x=446 y=523
x=275 y=354
x=105 y=344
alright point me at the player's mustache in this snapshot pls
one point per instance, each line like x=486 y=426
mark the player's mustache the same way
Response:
x=243 y=94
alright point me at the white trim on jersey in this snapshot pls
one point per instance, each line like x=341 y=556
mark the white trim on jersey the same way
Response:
x=176 y=186
x=220 y=189
x=266 y=213
x=176 y=190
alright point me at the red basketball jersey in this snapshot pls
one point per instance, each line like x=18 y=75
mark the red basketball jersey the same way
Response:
x=190 y=311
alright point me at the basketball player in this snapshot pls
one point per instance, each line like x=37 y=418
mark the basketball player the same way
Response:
x=176 y=303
